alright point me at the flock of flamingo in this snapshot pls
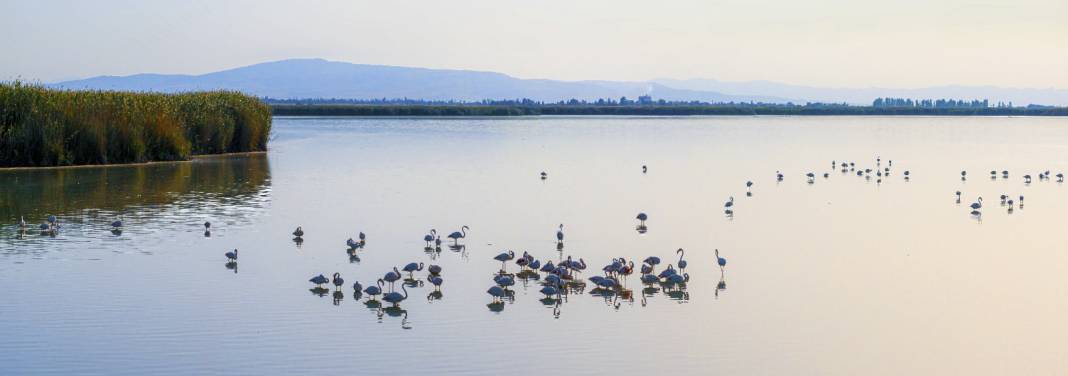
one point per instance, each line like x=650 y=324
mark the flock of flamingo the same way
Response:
x=563 y=277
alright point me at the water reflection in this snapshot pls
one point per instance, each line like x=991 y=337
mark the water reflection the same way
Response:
x=152 y=199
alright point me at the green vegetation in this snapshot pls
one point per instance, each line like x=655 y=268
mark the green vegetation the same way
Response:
x=47 y=127
x=645 y=110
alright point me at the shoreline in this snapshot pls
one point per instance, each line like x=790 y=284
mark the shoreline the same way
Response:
x=191 y=159
x=514 y=111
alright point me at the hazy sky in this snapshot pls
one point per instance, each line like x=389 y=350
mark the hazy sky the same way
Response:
x=856 y=43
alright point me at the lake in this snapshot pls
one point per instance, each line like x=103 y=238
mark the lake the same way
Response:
x=842 y=275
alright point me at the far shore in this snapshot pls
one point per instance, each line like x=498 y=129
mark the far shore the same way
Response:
x=510 y=110
x=191 y=159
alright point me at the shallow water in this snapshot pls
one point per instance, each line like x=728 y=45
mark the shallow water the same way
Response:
x=841 y=276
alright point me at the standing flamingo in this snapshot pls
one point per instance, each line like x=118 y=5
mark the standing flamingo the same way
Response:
x=457 y=235
x=681 y=263
x=721 y=261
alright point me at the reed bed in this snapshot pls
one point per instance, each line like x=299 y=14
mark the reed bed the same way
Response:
x=48 y=127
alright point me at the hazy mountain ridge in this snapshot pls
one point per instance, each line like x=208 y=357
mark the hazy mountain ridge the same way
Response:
x=318 y=78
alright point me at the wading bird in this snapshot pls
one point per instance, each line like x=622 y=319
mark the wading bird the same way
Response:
x=457 y=235
x=338 y=281
x=412 y=267
x=721 y=261
x=232 y=256
x=374 y=290
x=396 y=297
x=503 y=257
x=435 y=280
x=392 y=277
x=682 y=263
x=430 y=237
x=496 y=292
x=319 y=280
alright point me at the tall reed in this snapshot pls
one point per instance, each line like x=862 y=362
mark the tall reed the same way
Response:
x=48 y=127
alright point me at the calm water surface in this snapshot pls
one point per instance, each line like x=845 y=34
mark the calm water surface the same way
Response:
x=842 y=276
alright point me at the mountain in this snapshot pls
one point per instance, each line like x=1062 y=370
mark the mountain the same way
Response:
x=867 y=95
x=318 y=78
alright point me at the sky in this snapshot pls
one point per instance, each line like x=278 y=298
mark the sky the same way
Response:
x=831 y=43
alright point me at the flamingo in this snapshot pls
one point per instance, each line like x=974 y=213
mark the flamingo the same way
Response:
x=549 y=291
x=729 y=204
x=503 y=257
x=434 y=269
x=626 y=270
x=435 y=280
x=653 y=261
x=1060 y=177
x=548 y=267
x=524 y=261
x=412 y=267
x=356 y=287
x=649 y=279
x=958 y=197
x=207 y=226
x=299 y=232
x=232 y=256
x=978 y=204
x=457 y=235
x=748 y=185
x=338 y=281
x=544 y=175
x=396 y=297
x=363 y=238
x=667 y=272
x=319 y=280
x=681 y=263
x=721 y=261
x=678 y=278
x=646 y=268
x=375 y=289
x=645 y=169
x=778 y=175
x=496 y=292
x=560 y=235
x=642 y=217
x=604 y=283
x=1027 y=179
x=392 y=277
x=430 y=237
x=577 y=266
x=504 y=281
x=117 y=224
